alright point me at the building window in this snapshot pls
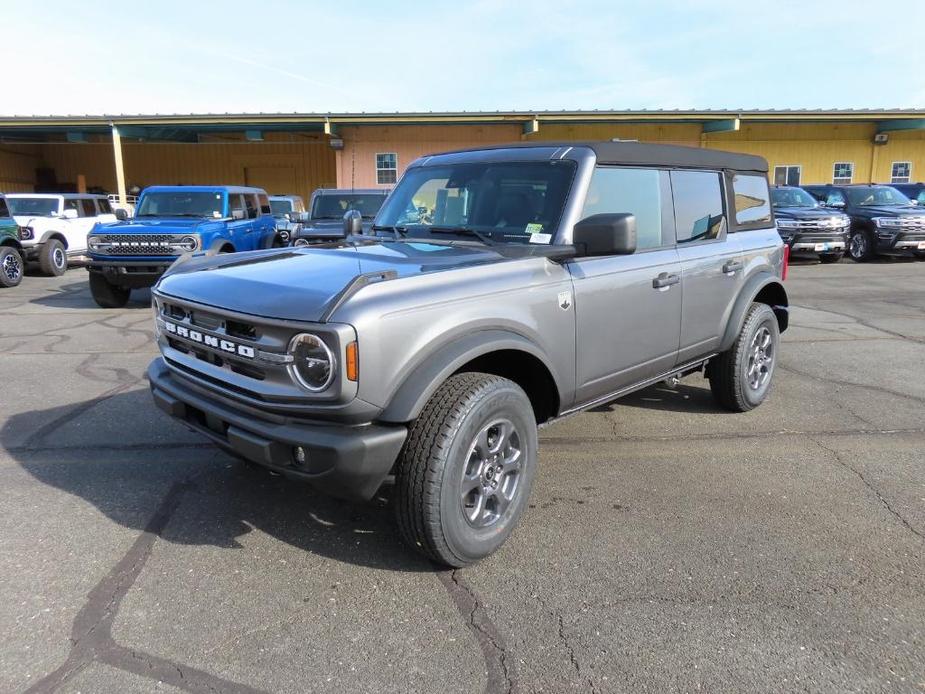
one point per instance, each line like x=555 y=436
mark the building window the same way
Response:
x=842 y=173
x=787 y=175
x=386 y=168
x=902 y=172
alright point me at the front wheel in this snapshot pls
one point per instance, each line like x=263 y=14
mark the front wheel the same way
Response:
x=740 y=377
x=107 y=295
x=53 y=258
x=11 y=267
x=861 y=246
x=826 y=258
x=466 y=470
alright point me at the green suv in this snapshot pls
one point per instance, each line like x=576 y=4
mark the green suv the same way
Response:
x=11 y=265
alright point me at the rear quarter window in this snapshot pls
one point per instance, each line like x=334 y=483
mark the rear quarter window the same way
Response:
x=752 y=200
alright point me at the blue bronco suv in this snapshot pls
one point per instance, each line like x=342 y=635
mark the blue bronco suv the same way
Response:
x=171 y=221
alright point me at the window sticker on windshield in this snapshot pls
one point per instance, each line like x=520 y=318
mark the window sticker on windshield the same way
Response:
x=540 y=238
x=534 y=228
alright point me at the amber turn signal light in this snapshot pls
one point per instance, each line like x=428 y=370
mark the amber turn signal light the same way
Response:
x=353 y=367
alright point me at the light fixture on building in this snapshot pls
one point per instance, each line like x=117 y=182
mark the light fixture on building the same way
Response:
x=336 y=143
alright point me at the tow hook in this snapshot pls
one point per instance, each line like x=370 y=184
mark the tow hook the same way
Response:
x=672 y=382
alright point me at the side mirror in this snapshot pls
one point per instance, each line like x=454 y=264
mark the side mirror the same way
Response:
x=353 y=223
x=69 y=214
x=835 y=203
x=238 y=214
x=121 y=214
x=606 y=234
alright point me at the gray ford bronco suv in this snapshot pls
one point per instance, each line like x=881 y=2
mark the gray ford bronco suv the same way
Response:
x=499 y=289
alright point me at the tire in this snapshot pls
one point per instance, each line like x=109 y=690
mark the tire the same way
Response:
x=298 y=243
x=53 y=258
x=107 y=295
x=740 y=377
x=453 y=448
x=826 y=258
x=11 y=267
x=861 y=246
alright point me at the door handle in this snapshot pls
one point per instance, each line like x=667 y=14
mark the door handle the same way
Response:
x=664 y=280
x=731 y=266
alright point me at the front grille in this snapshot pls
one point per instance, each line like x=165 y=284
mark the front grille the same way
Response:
x=911 y=223
x=827 y=224
x=137 y=244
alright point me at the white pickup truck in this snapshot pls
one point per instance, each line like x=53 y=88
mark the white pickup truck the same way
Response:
x=55 y=225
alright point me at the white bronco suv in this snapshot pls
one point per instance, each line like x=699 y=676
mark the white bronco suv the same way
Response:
x=55 y=225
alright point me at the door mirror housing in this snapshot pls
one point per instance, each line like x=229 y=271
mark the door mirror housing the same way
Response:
x=606 y=234
x=353 y=223
x=69 y=214
x=121 y=214
x=835 y=203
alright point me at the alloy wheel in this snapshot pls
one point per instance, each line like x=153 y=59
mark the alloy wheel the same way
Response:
x=491 y=475
x=59 y=258
x=760 y=359
x=12 y=267
x=858 y=246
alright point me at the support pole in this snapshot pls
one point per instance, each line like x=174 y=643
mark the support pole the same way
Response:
x=120 y=169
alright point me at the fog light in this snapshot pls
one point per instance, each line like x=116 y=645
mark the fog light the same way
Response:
x=299 y=456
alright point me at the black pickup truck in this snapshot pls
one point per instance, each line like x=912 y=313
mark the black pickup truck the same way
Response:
x=807 y=227
x=883 y=220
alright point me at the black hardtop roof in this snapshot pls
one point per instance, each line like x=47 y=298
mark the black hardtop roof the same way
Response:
x=644 y=153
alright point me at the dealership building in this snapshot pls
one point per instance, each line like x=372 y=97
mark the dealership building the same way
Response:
x=296 y=153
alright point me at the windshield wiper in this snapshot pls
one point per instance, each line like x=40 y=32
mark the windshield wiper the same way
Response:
x=463 y=231
x=399 y=232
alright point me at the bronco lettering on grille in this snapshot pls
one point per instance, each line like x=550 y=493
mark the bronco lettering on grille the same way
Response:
x=212 y=341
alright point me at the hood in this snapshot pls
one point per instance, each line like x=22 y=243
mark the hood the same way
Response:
x=160 y=225
x=301 y=283
x=806 y=212
x=887 y=211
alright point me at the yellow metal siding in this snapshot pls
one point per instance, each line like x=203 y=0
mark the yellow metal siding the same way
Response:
x=17 y=168
x=221 y=161
x=679 y=134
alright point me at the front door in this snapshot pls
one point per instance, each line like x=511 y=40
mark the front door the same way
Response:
x=628 y=307
x=712 y=265
x=239 y=225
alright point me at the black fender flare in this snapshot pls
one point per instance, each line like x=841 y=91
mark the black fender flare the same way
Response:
x=432 y=370
x=217 y=244
x=12 y=243
x=754 y=285
x=53 y=234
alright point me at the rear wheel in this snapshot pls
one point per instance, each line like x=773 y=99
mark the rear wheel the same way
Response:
x=466 y=470
x=107 y=295
x=740 y=377
x=861 y=246
x=53 y=258
x=11 y=267
x=826 y=258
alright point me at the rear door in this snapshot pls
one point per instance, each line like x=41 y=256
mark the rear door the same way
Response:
x=627 y=327
x=712 y=264
x=77 y=229
x=239 y=224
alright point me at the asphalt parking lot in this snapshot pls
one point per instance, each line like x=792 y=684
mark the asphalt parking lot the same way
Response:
x=669 y=545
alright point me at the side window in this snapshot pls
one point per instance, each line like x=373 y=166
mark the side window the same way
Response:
x=87 y=207
x=250 y=204
x=4 y=210
x=640 y=192
x=105 y=207
x=72 y=204
x=835 y=197
x=264 y=204
x=235 y=203
x=698 y=205
x=751 y=199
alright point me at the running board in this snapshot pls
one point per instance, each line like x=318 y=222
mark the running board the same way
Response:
x=678 y=372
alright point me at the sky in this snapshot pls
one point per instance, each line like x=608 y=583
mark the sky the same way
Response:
x=274 y=56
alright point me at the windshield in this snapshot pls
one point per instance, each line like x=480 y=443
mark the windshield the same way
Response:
x=334 y=206
x=41 y=207
x=181 y=203
x=792 y=197
x=876 y=195
x=280 y=207
x=516 y=202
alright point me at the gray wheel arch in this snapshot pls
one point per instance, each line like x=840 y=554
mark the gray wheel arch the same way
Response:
x=765 y=288
x=54 y=234
x=437 y=366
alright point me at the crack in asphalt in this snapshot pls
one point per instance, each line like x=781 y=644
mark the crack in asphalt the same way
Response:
x=501 y=672
x=91 y=632
x=867 y=324
x=871 y=487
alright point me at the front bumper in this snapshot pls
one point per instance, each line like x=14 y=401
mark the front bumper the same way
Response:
x=349 y=462
x=903 y=243
x=816 y=242
x=133 y=274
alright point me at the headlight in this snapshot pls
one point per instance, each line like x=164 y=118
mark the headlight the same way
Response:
x=25 y=233
x=187 y=244
x=95 y=243
x=888 y=222
x=284 y=235
x=313 y=362
x=787 y=223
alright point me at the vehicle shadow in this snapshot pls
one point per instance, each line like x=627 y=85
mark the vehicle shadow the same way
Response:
x=74 y=293
x=683 y=397
x=127 y=476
